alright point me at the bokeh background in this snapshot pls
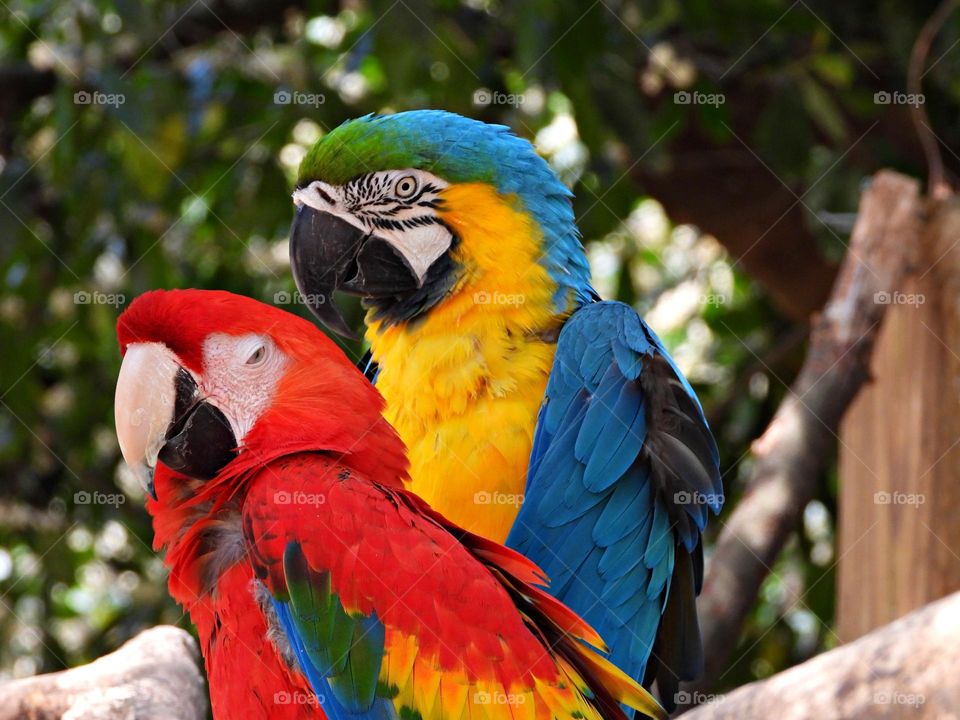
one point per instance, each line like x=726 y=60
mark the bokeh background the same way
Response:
x=716 y=151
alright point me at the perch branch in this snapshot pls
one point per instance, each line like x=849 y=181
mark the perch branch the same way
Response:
x=155 y=676
x=904 y=669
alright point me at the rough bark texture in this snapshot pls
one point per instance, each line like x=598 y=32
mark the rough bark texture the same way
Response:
x=793 y=451
x=900 y=456
x=155 y=676
x=904 y=670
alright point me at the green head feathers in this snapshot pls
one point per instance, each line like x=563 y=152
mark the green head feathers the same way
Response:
x=445 y=144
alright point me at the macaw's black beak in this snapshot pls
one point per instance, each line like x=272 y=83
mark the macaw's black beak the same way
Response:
x=199 y=442
x=328 y=254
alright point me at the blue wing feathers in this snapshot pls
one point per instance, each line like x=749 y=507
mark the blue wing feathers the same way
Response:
x=626 y=553
x=597 y=416
x=629 y=360
x=621 y=590
x=317 y=680
x=601 y=515
x=584 y=587
x=661 y=574
x=621 y=441
x=661 y=536
x=541 y=438
x=638 y=645
x=381 y=709
x=627 y=508
x=340 y=654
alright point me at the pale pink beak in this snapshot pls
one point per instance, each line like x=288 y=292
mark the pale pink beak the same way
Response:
x=144 y=406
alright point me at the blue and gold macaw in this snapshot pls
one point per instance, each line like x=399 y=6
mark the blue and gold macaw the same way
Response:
x=533 y=412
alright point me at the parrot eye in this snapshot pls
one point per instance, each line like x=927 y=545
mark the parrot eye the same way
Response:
x=405 y=187
x=258 y=355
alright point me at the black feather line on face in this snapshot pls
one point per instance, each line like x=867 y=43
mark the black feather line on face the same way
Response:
x=371 y=190
x=382 y=223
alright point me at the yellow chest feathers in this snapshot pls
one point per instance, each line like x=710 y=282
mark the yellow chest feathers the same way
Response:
x=464 y=384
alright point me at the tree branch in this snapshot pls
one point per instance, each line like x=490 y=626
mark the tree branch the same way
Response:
x=904 y=669
x=793 y=451
x=937 y=185
x=155 y=676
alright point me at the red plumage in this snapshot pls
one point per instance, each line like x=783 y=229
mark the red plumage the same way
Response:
x=246 y=675
x=325 y=403
x=321 y=471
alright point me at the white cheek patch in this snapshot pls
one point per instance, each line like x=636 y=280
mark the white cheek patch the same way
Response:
x=419 y=244
x=242 y=392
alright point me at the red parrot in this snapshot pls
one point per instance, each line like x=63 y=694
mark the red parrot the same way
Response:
x=318 y=584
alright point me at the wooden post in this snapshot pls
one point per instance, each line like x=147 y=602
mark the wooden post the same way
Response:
x=796 y=448
x=899 y=526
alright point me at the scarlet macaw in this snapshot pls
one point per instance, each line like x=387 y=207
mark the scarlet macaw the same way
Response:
x=314 y=578
x=533 y=412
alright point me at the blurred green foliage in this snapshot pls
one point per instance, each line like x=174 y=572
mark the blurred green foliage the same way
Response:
x=178 y=170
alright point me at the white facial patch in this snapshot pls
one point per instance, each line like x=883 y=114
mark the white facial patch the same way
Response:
x=240 y=377
x=396 y=205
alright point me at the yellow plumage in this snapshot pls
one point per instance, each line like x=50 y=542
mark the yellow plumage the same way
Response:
x=449 y=694
x=464 y=384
